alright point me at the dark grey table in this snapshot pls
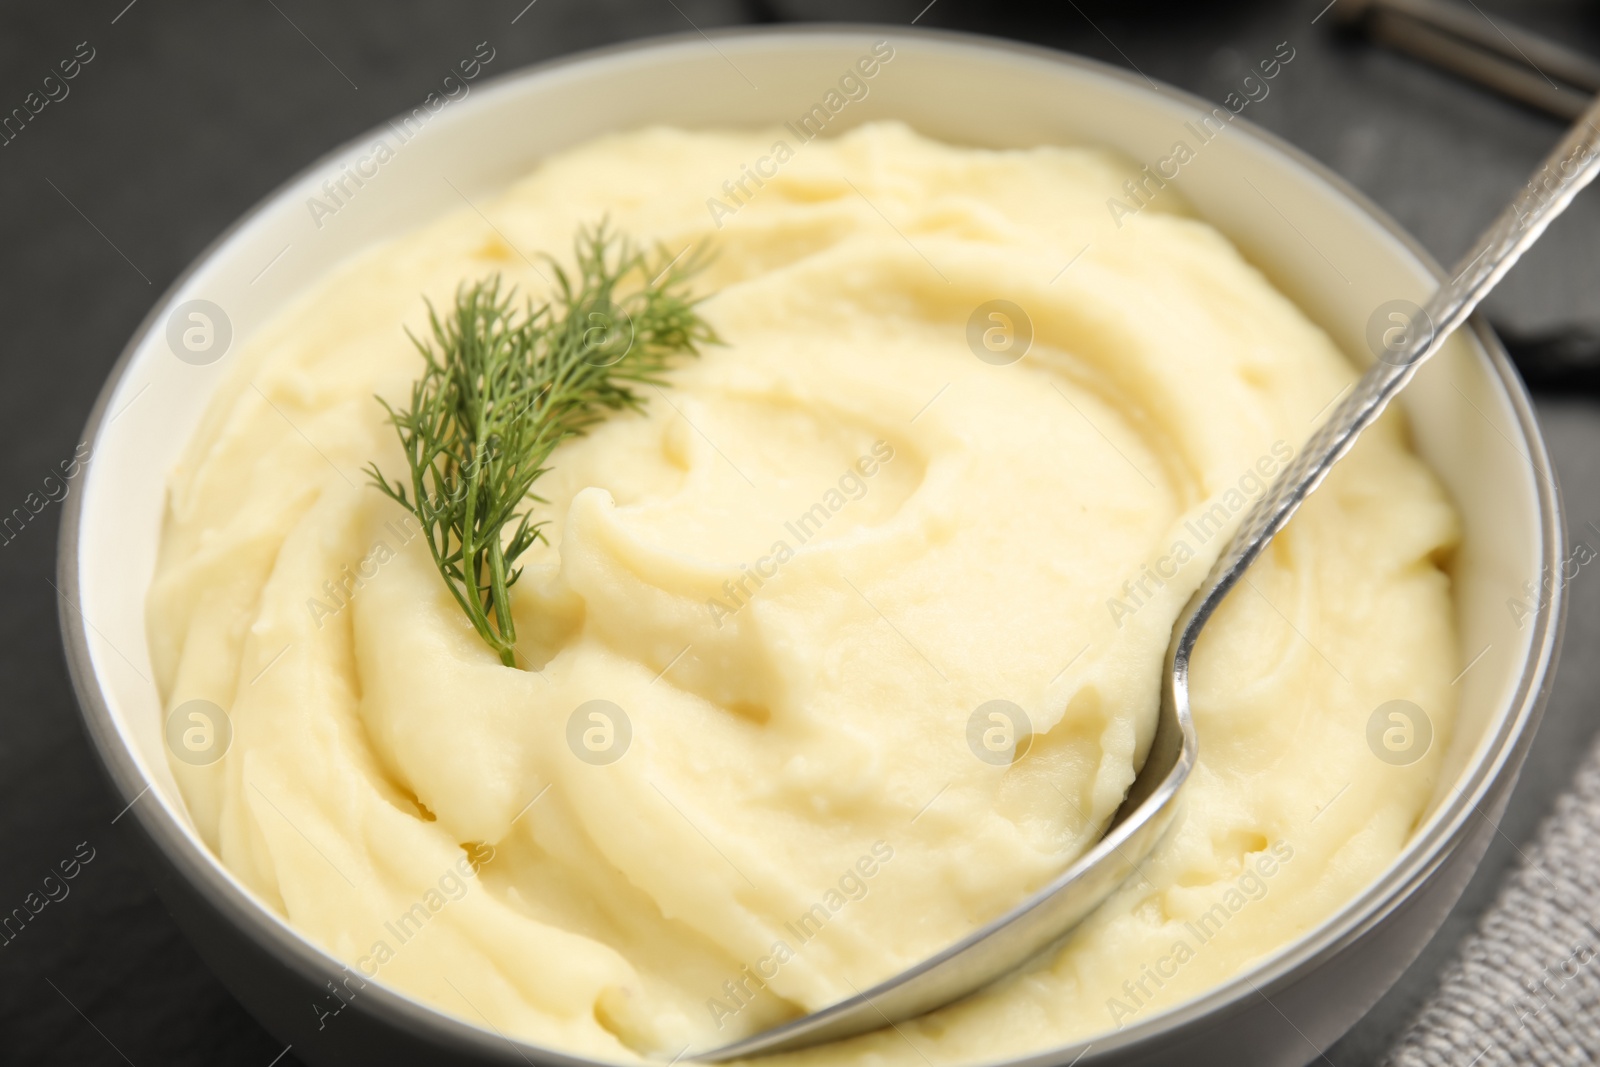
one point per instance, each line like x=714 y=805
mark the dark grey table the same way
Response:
x=188 y=113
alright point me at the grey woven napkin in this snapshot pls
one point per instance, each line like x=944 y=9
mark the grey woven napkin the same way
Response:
x=1525 y=986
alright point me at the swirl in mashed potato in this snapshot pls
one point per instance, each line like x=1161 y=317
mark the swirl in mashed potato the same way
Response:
x=800 y=577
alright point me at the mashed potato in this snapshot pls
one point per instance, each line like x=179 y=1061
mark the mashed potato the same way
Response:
x=847 y=644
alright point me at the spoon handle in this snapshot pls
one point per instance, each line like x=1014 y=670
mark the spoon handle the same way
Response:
x=1573 y=165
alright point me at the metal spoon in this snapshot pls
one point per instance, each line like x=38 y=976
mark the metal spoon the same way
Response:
x=1046 y=916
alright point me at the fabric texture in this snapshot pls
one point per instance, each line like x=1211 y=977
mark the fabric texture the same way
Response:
x=1525 y=986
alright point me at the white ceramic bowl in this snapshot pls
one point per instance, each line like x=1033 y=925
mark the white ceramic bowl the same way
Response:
x=1318 y=240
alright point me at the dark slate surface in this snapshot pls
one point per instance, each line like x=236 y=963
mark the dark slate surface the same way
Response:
x=188 y=113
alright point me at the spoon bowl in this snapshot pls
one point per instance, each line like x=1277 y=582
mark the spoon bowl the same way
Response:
x=1021 y=933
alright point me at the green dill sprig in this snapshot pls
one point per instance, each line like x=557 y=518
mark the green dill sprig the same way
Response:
x=502 y=388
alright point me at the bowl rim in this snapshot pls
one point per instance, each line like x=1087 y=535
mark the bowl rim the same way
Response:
x=1501 y=754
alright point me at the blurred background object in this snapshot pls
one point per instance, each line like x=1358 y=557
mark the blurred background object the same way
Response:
x=1496 y=53
x=1525 y=67
x=190 y=112
x=1563 y=361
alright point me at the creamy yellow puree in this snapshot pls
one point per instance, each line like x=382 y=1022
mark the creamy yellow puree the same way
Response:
x=801 y=808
